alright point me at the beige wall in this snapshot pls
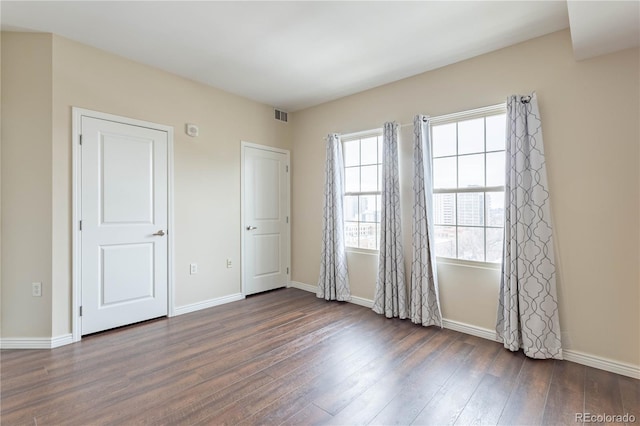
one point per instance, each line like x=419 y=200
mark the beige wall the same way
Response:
x=207 y=172
x=26 y=184
x=590 y=113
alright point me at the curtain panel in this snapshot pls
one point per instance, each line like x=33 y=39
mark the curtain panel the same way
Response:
x=391 y=289
x=424 y=300
x=334 y=279
x=528 y=307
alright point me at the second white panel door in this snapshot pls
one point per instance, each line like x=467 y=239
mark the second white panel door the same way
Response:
x=266 y=227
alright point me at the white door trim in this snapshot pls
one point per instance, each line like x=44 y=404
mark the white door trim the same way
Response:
x=244 y=145
x=76 y=197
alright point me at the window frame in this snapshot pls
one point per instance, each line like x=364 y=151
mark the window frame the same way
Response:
x=350 y=137
x=457 y=117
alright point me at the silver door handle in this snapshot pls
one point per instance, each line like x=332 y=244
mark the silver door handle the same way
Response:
x=160 y=233
x=251 y=228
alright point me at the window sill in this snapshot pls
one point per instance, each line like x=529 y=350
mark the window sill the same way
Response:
x=371 y=252
x=468 y=263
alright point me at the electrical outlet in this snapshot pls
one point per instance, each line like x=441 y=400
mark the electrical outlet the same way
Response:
x=229 y=264
x=36 y=289
x=193 y=268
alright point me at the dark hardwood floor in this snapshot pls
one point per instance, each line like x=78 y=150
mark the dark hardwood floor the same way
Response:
x=286 y=357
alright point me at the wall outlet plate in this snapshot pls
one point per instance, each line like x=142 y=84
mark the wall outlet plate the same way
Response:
x=193 y=268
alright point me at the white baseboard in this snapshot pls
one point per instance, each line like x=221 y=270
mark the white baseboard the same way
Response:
x=35 y=342
x=313 y=289
x=473 y=330
x=361 y=301
x=303 y=286
x=601 y=363
x=65 y=339
x=25 y=343
x=180 y=310
x=578 y=357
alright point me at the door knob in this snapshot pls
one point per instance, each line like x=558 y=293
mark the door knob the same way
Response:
x=251 y=228
x=160 y=233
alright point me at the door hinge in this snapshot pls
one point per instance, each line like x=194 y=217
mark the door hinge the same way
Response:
x=80 y=225
x=287 y=271
x=287 y=219
x=80 y=139
x=286 y=169
x=80 y=310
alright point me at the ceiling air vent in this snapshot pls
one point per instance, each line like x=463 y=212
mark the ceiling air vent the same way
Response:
x=281 y=115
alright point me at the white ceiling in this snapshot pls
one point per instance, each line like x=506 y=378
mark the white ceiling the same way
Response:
x=293 y=55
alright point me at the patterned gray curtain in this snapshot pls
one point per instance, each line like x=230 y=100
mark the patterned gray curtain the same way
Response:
x=334 y=280
x=425 y=300
x=528 y=307
x=391 y=290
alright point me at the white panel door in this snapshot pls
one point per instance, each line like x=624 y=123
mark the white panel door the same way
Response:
x=124 y=212
x=266 y=222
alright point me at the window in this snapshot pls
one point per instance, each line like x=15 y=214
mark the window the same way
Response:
x=468 y=184
x=363 y=183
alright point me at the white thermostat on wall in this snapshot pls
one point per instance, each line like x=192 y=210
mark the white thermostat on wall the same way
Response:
x=191 y=130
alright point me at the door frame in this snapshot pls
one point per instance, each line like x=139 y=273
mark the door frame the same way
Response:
x=76 y=204
x=243 y=146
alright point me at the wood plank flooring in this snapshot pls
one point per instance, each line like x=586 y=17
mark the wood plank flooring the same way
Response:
x=286 y=357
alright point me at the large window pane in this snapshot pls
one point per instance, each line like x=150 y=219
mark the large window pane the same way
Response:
x=494 y=244
x=444 y=209
x=471 y=209
x=471 y=136
x=351 y=208
x=444 y=173
x=352 y=179
x=495 y=169
x=369 y=178
x=351 y=234
x=444 y=140
x=445 y=240
x=368 y=208
x=495 y=208
x=369 y=151
x=468 y=220
x=471 y=243
x=351 y=153
x=496 y=128
x=471 y=171
x=368 y=236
